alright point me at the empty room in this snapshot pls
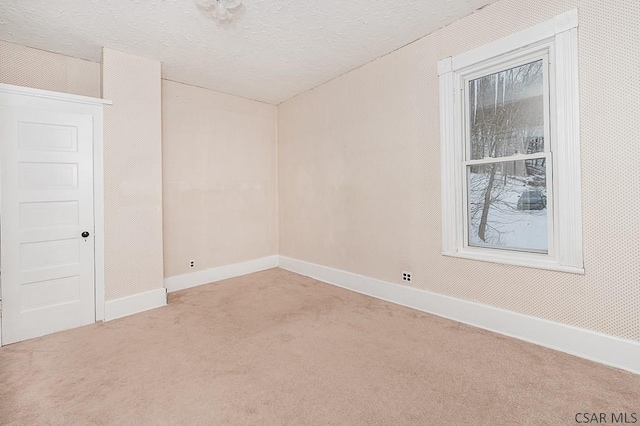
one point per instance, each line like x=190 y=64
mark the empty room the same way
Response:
x=279 y=212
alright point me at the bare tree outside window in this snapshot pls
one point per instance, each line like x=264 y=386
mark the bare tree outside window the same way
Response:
x=507 y=200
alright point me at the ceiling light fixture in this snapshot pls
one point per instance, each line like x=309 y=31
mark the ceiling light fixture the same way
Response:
x=219 y=9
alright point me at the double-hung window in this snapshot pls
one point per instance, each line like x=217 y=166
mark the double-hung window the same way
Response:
x=510 y=149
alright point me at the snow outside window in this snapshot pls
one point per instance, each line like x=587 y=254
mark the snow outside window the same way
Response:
x=510 y=150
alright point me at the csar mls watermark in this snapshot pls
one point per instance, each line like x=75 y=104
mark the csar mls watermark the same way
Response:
x=606 y=418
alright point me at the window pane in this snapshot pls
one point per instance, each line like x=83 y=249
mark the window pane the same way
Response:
x=508 y=205
x=506 y=112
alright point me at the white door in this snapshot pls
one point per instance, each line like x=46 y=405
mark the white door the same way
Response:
x=47 y=204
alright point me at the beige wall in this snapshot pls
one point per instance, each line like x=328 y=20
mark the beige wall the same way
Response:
x=133 y=174
x=219 y=178
x=24 y=66
x=359 y=171
x=133 y=183
x=358 y=166
x=220 y=166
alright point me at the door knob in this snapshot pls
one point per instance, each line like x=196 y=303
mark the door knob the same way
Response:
x=85 y=234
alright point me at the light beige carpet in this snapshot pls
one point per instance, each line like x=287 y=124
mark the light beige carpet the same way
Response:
x=276 y=348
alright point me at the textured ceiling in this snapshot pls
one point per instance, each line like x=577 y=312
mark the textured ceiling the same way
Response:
x=271 y=51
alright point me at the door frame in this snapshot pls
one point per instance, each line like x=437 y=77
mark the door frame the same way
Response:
x=27 y=97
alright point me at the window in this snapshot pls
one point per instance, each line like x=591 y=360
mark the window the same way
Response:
x=510 y=150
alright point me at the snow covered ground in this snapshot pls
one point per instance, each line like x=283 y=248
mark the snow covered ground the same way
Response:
x=507 y=227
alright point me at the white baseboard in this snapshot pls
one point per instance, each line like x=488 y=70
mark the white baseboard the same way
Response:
x=130 y=305
x=181 y=282
x=602 y=348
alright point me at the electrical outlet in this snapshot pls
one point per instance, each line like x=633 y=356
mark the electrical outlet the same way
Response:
x=406 y=276
x=192 y=264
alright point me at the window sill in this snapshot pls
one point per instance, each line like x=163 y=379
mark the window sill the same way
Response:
x=529 y=262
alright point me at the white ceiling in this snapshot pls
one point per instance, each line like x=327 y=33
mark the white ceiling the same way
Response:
x=271 y=51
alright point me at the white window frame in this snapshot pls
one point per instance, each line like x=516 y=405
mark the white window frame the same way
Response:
x=555 y=40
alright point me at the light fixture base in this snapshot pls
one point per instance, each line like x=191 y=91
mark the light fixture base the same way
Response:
x=218 y=9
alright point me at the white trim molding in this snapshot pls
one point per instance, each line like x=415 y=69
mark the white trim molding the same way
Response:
x=555 y=43
x=48 y=94
x=134 y=304
x=545 y=30
x=98 y=211
x=591 y=345
x=567 y=151
x=449 y=154
x=193 y=279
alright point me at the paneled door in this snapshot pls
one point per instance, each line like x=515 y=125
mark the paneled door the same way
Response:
x=47 y=221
